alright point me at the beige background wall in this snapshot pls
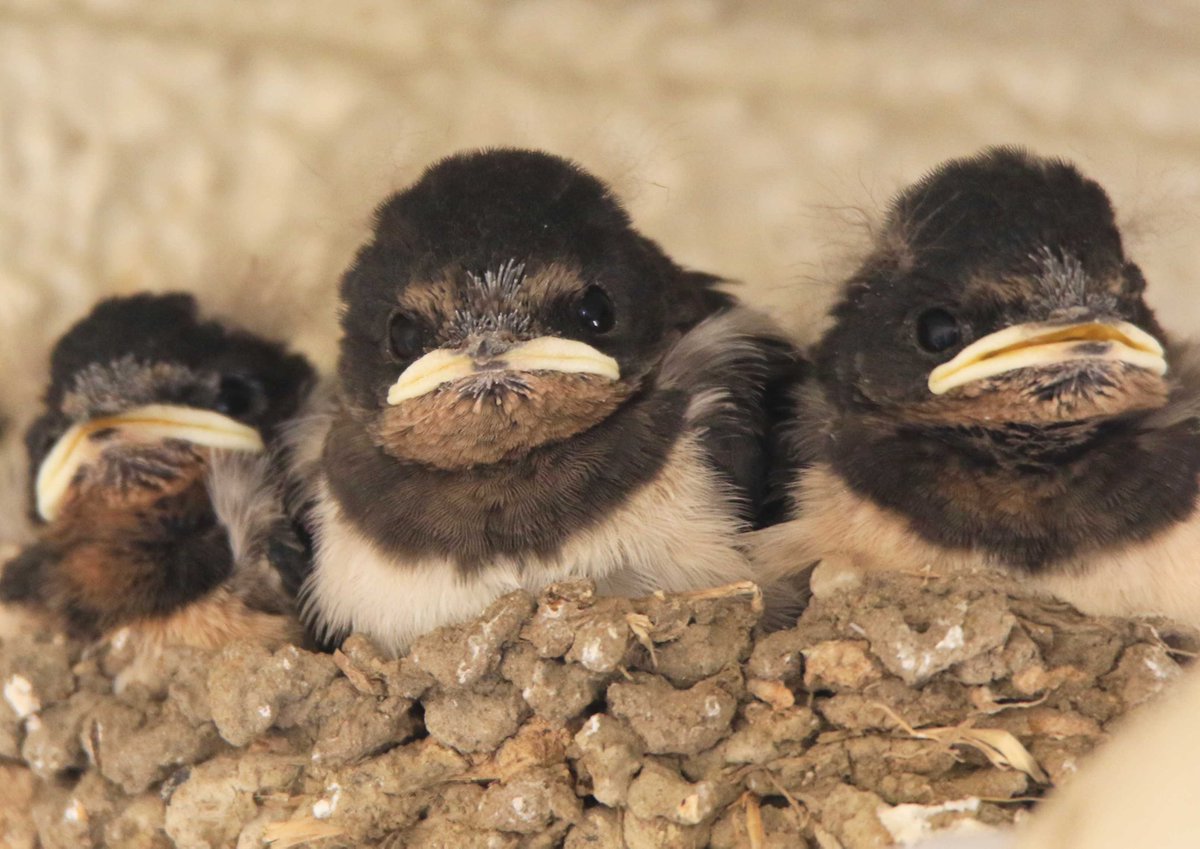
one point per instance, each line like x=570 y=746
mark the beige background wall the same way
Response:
x=237 y=147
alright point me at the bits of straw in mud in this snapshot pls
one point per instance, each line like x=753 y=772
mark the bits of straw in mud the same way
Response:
x=896 y=705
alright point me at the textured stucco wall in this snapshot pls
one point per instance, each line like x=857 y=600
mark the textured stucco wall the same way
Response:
x=237 y=147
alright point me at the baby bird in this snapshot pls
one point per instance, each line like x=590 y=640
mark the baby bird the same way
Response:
x=528 y=390
x=995 y=392
x=150 y=481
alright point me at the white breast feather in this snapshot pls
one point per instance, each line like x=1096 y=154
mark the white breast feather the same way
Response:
x=676 y=533
x=1157 y=576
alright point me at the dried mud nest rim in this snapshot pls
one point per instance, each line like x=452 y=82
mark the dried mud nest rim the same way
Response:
x=897 y=706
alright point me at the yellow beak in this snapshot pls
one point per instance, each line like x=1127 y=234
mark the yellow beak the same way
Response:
x=546 y=353
x=152 y=423
x=1046 y=344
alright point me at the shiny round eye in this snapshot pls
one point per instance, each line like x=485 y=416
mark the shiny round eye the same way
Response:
x=406 y=339
x=47 y=442
x=236 y=395
x=937 y=330
x=595 y=311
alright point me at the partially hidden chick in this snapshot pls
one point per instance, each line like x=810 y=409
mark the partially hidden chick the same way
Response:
x=528 y=390
x=995 y=392
x=151 y=480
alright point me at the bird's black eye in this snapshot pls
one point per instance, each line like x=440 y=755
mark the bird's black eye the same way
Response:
x=406 y=338
x=237 y=395
x=47 y=441
x=937 y=330
x=595 y=311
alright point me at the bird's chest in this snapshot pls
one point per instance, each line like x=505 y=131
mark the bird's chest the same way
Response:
x=1156 y=575
x=676 y=532
x=1159 y=575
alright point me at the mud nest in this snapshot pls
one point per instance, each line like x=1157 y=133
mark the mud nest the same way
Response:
x=898 y=705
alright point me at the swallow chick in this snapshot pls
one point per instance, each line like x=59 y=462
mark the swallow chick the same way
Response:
x=994 y=392
x=151 y=483
x=527 y=390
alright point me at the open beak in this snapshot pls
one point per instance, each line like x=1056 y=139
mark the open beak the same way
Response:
x=546 y=353
x=152 y=423
x=1044 y=344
